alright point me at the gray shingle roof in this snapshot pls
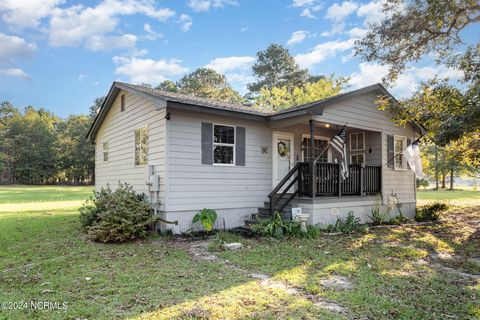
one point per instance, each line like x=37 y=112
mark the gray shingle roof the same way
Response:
x=197 y=101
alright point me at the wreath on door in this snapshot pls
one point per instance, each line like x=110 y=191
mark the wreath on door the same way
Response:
x=282 y=149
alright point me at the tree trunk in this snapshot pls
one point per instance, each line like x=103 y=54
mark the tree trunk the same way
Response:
x=443 y=180
x=436 y=167
x=452 y=171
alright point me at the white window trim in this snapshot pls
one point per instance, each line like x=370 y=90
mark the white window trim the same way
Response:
x=315 y=137
x=224 y=144
x=356 y=139
x=103 y=151
x=358 y=154
x=404 y=162
x=148 y=147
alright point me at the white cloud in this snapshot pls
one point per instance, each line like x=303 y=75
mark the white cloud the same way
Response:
x=222 y=65
x=15 y=72
x=205 y=5
x=407 y=83
x=356 y=32
x=80 y=25
x=309 y=7
x=237 y=69
x=372 y=11
x=148 y=70
x=323 y=51
x=14 y=48
x=297 y=37
x=26 y=13
x=107 y=43
x=338 y=12
x=186 y=22
x=151 y=34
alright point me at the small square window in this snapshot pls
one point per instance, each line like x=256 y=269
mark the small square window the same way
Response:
x=105 y=151
x=122 y=103
x=223 y=144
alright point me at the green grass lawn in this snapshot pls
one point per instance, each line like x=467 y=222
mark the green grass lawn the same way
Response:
x=457 y=197
x=45 y=257
x=22 y=194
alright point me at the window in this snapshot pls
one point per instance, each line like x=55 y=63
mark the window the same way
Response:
x=319 y=145
x=223 y=144
x=357 y=158
x=105 y=151
x=400 y=143
x=357 y=141
x=122 y=103
x=141 y=146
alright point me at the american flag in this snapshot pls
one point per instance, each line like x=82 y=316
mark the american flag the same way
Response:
x=338 y=143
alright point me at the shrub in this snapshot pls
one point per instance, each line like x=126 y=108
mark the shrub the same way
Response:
x=349 y=225
x=277 y=227
x=207 y=218
x=116 y=216
x=398 y=220
x=272 y=227
x=292 y=228
x=313 y=232
x=430 y=212
x=378 y=217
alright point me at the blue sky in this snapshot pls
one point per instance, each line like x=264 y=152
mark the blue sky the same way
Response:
x=62 y=54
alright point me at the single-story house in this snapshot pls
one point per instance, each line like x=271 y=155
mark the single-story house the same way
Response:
x=187 y=153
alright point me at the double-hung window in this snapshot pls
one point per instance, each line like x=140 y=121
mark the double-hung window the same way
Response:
x=357 y=141
x=105 y=151
x=223 y=145
x=141 y=146
x=400 y=143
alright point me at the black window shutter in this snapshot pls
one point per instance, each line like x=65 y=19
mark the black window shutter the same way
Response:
x=207 y=143
x=390 y=151
x=240 y=146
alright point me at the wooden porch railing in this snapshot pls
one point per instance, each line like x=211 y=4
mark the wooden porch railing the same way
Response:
x=362 y=180
x=292 y=185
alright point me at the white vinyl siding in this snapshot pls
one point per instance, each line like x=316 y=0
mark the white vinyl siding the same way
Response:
x=118 y=129
x=193 y=186
x=361 y=112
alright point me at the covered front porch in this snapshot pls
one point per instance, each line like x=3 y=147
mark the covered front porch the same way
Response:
x=305 y=168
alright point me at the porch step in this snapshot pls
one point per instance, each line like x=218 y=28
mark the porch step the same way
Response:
x=264 y=213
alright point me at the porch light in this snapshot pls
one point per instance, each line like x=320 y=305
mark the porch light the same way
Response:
x=327 y=125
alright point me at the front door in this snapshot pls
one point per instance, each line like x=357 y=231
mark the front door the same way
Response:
x=283 y=155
